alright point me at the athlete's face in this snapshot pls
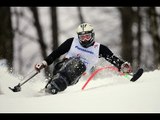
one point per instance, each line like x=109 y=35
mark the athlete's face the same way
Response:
x=85 y=37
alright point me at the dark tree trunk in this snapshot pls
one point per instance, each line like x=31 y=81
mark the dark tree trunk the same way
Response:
x=38 y=27
x=80 y=15
x=127 y=37
x=154 y=34
x=6 y=36
x=139 y=35
x=54 y=27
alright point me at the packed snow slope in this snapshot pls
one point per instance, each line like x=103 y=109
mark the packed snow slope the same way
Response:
x=106 y=93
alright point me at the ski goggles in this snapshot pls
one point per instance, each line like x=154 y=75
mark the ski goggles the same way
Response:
x=85 y=37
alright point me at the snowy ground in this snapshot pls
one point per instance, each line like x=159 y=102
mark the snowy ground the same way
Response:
x=105 y=94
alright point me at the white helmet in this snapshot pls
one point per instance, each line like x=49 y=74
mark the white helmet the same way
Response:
x=85 y=34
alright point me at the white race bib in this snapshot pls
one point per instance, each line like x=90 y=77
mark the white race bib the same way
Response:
x=88 y=55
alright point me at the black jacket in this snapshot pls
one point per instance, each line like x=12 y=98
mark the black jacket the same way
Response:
x=104 y=52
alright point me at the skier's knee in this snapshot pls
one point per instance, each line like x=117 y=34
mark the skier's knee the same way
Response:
x=73 y=70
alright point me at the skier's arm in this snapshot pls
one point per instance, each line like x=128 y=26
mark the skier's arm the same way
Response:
x=110 y=57
x=62 y=49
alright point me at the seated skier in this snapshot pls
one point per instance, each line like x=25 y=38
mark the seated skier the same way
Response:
x=81 y=54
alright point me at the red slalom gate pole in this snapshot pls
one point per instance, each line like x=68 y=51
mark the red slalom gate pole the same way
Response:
x=98 y=70
x=90 y=78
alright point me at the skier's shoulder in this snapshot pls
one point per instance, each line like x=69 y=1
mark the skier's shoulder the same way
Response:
x=68 y=42
x=104 y=47
x=70 y=39
x=105 y=50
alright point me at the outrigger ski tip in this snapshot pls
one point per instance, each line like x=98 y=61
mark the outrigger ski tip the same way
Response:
x=17 y=88
x=137 y=75
x=11 y=89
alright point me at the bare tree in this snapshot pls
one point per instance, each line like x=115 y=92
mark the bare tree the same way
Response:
x=81 y=18
x=38 y=27
x=54 y=27
x=39 y=31
x=139 y=34
x=6 y=36
x=18 y=14
x=127 y=15
x=153 y=30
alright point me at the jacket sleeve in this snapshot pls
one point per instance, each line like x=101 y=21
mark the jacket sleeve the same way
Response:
x=106 y=53
x=62 y=49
